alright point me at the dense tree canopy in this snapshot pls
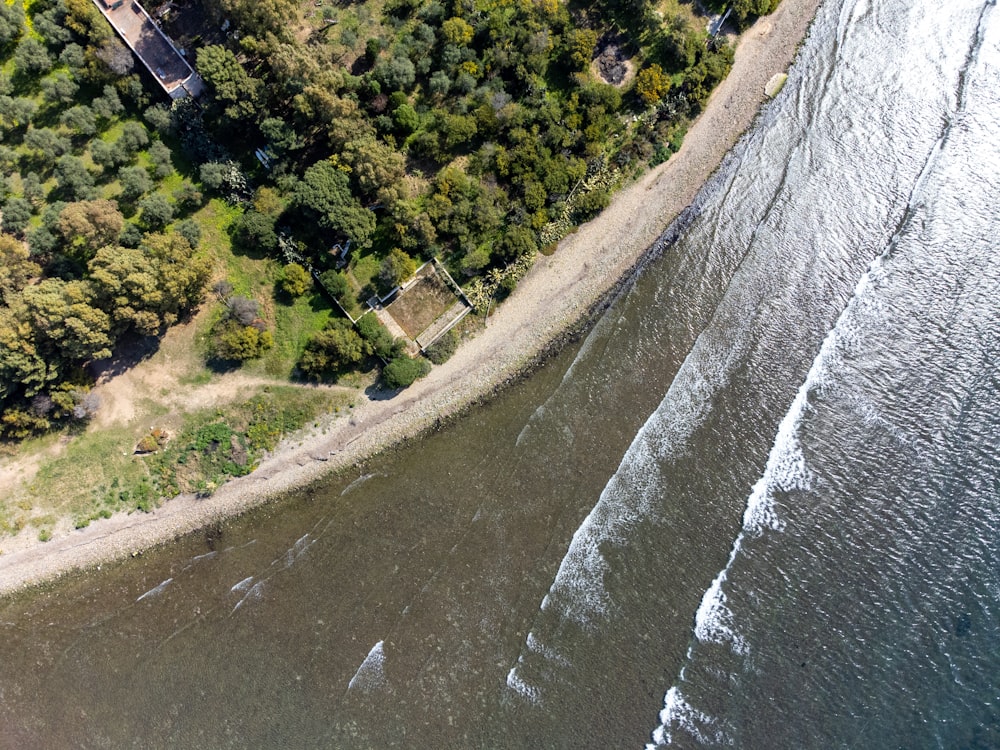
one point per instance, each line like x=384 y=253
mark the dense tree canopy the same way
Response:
x=11 y=23
x=324 y=195
x=75 y=277
x=336 y=348
x=407 y=130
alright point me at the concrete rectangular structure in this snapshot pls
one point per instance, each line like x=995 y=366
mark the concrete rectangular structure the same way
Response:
x=152 y=47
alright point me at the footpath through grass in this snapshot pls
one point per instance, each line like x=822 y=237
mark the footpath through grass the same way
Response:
x=90 y=474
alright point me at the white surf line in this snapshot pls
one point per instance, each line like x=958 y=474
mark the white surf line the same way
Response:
x=579 y=581
x=242 y=585
x=356 y=483
x=370 y=675
x=155 y=590
x=285 y=561
x=785 y=470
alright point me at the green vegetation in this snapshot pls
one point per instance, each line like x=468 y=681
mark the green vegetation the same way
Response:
x=395 y=132
x=88 y=253
x=403 y=370
x=344 y=143
x=105 y=471
x=441 y=350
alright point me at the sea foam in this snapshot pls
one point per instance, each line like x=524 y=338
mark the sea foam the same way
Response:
x=371 y=674
x=677 y=711
x=156 y=590
x=786 y=470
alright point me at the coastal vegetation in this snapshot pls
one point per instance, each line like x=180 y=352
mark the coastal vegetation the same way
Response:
x=336 y=148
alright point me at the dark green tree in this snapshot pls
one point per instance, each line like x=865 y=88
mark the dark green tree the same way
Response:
x=402 y=371
x=108 y=105
x=190 y=230
x=229 y=83
x=336 y=283
x=59 y=89
x=253 y=232
x=335 y=349
x=133 y=139
x=80 y=120
x=72 y=178
x=157 y=211
x=325 y=193
x=162 y=159
x=46 y=145
x=17 y=213
x=31 y=58
x=11 y=23
x=396 y=268
x=135 y=182
x=16 y=112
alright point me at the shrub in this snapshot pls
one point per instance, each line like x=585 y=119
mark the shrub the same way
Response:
x=402 y=371
x=441 y=350
x=296 y=280
x=17 y=424
x=336 y=283
x=377 y=335
x=190 y=230
x=147 y=445
x=253 y=232
x=242 y=310
x=652 y=84
x=156 y=211
x=234 y=342
x=396 y=268
x=334 y=349
x=152 y=442
x=188 y=197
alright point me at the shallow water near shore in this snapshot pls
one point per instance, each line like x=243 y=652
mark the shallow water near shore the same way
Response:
x=756 y=506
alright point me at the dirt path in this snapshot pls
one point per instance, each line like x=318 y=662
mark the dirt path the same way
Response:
x=146 y=381
x=557 y=293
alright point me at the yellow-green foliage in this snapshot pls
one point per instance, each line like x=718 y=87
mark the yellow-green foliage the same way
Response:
x=652 y=84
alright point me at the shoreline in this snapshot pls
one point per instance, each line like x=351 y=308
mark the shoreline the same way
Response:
x=551 y=304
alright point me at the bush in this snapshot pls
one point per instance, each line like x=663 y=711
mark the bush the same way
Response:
x=296 y=280
x=441 y=350
x=190 y=230
x=147 y=445
x=377 y=335
x=253 y=232
x=652 y=84
x=156 y=211
x=396 y=268
x=234 y=342
x=402 y=371
x=242 y=309
x=336 y=283
x=336 y=348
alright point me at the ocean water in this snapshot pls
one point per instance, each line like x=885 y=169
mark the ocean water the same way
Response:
x=756 y=506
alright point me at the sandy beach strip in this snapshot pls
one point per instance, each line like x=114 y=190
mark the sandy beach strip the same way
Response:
x=556 y=295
